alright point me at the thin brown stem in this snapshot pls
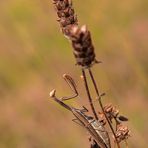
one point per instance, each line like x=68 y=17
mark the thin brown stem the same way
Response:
x=88 y=94
x=101 y=105
x=126 y=143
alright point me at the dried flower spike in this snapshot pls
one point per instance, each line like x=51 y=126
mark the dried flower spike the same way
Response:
x=66 y=15
x=83 y=47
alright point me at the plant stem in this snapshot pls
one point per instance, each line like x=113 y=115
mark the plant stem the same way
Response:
x=101 y=105
x=88 y=94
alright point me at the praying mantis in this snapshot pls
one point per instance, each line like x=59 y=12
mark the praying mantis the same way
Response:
x=93 y=126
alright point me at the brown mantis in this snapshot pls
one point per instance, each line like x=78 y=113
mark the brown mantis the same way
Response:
x=94 y=127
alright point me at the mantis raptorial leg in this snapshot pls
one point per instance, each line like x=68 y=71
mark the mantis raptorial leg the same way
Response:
x=72 y=85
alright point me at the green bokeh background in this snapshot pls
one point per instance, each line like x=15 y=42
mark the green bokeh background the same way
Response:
x=34 y=55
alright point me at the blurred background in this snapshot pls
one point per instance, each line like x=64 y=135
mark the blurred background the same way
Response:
x=34 y=55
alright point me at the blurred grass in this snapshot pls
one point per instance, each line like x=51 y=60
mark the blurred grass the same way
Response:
x=34 y=55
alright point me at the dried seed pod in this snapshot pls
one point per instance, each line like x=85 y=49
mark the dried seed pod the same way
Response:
x=83 y=47
x=111 y=111
x=122 y=118
x=122 y=132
